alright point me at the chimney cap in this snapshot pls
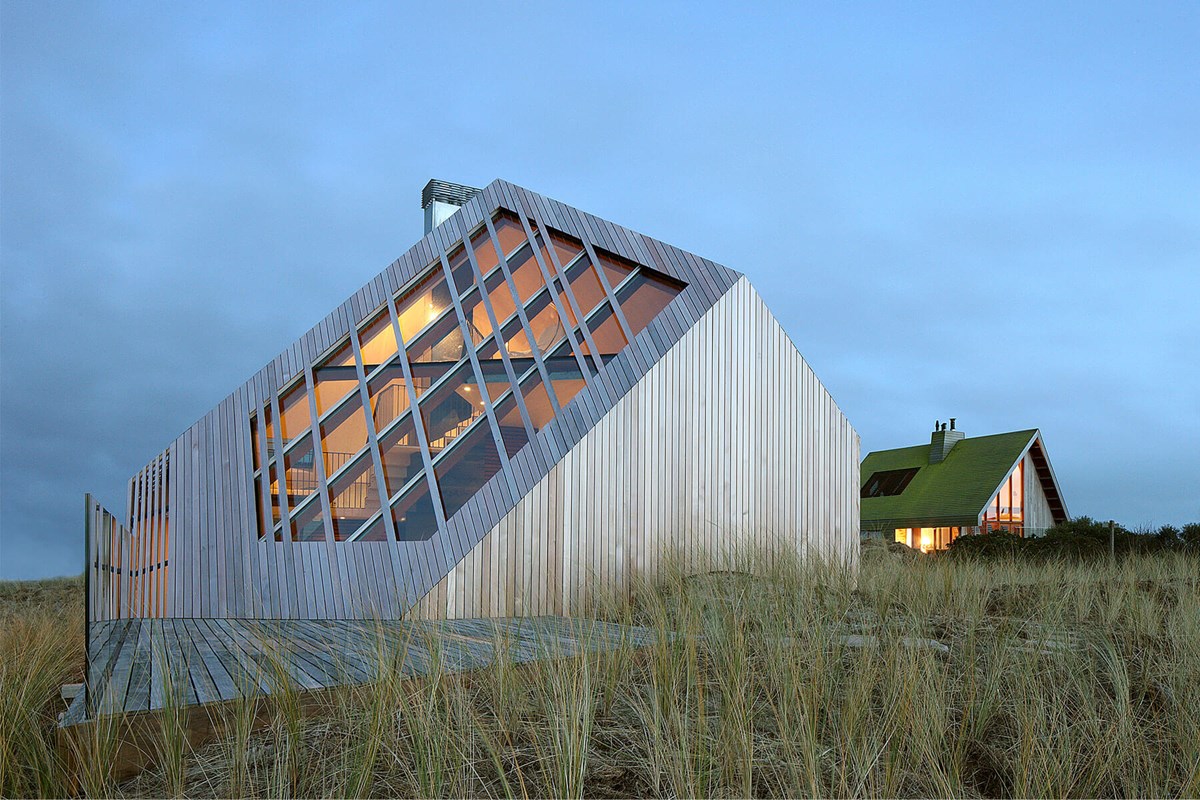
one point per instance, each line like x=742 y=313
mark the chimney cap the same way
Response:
x=456 y=194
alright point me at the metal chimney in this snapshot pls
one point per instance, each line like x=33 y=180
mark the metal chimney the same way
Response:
x=441 y=199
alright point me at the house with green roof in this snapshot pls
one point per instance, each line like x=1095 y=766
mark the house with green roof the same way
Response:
x=928 y=495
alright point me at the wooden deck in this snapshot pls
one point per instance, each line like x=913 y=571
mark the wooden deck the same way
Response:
x=146 y=664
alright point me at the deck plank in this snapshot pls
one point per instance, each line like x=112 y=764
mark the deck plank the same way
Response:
x=213 y=658
x=136 y=663
x=116 y=682
x=181 y=685
x=335 y=661
x=248 y=675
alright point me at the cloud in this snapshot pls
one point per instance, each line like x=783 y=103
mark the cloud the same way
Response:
x=947 y=219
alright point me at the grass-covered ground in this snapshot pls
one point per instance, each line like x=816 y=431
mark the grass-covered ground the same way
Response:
x=925 y=677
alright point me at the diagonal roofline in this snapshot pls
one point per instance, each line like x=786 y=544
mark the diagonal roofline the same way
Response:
x=705 y=283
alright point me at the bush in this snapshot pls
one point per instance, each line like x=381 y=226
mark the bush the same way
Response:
x=1079 y=539
x=1191 y=536
x=1000 y=544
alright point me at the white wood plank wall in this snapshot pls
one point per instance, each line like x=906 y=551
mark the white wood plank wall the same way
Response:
x=1037 y=506
x=729 y=440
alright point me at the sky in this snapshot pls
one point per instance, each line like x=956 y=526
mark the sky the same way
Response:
x=986 y=211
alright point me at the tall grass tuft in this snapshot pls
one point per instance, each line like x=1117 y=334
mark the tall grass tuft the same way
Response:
x=41 y=648
x=756 y=674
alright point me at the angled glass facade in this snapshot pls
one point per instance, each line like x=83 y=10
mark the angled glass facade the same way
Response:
x=393 y=431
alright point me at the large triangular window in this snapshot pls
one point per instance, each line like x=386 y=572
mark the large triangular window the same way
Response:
x=436 y=390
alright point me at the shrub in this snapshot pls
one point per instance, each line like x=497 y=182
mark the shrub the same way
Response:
x=1079 y=539
x=1191 y=536
x=999 y=544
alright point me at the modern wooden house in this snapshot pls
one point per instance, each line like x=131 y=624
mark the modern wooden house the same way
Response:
x=529 y=404
x=928 y=495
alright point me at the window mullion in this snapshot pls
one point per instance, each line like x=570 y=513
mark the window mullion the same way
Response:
x=266 y=520
x=372 y=435
x=528 y=328
x=550 y=274
x=560 y=269
x=418 y=423
x=281 y=473
x=608 y=289
x=318 y=453
x=472 y=355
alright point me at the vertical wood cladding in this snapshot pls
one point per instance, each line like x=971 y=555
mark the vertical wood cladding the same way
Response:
x=1038 y=515
x=766 y=451
x=728 y=441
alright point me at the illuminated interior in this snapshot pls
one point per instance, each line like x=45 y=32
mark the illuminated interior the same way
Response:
x=487 y=347
x=927 y=540
x=1005 y=511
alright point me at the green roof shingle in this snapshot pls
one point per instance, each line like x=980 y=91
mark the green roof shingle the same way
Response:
x=950 y=493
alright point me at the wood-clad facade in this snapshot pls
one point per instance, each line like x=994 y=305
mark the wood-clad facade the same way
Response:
x=1038 y=513
x=729 y=442
x=661 y=406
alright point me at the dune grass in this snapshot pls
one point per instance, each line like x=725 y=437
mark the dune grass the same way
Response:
x=41 y=648
x=928 y=678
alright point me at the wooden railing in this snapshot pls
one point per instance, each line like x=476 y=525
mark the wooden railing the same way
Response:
x=109 y=549
x=127 y=565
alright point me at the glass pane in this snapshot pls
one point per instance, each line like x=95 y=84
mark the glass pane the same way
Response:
x=616 y=269
x=508 y=231
x=269 y=411
x=414 y=515
x=450 y=410
x=565 y=374
x=308 y=524
x=375 y=532
x=537 y=401
x=527 y=276
x=517 y=345
x=606 y=333
x=500 y=297
x=495 y=378
x=378 y=342
x=644 y=296
x=493 y=367
x=335 y=378
x=353 y=498
x=388 y=395
x=490 y=351
x=276 y=514
x=1018 y=492
x=435 y=352
x=565 y=247
x=512 y=427
x=401 y=455
x=466 y=467
x=585 y=286
x=477 y=317
x=485 y=254
x=258 y=505
x=424 y=303
x=300 y=471
x=255 y=456
x=460 y=270
x=343 y=434
x=293 y=406
x=545 y=323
